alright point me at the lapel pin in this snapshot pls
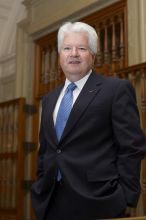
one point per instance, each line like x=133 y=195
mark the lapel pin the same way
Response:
x=92 y=90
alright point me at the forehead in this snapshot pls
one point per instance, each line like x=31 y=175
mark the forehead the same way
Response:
x=75 y=37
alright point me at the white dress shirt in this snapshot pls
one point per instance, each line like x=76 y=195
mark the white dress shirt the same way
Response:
x=80 y=83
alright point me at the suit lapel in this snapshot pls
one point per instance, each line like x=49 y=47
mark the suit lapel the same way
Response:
x=90 y=89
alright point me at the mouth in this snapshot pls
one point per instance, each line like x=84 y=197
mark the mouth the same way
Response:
x=74 y=62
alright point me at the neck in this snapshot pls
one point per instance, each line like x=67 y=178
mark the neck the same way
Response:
x=75 y=77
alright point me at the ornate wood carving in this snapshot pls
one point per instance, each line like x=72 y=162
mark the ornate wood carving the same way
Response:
x=12 y=131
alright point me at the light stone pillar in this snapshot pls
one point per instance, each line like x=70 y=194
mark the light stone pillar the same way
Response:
x=7 y=77
x=136 y=31
x=142 y=29
x=24 y=88
x=24 y=63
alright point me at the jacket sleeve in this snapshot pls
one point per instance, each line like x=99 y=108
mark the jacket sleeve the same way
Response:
x=129 y=139
x=42 y=147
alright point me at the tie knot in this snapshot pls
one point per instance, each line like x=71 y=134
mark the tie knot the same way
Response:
x=71 y=86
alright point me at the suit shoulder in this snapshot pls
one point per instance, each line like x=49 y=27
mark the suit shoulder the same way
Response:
x=112 y=85
x=114 y=81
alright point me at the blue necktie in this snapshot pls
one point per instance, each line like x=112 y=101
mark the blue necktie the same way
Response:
x=63 y=114
x=64 y=110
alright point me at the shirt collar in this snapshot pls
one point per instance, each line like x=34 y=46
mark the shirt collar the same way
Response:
x=80 y=83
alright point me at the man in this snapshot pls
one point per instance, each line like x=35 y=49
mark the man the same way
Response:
x=88 y=161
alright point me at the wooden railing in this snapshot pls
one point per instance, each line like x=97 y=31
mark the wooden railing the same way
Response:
x=12 y=132
x=137 y=75
x=111 y=26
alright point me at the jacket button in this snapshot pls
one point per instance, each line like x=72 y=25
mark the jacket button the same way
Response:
x=58 y=151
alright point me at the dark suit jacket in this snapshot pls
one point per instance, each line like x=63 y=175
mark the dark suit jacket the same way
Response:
x=100 y=151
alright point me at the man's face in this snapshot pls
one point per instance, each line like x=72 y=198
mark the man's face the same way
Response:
x=75 y=56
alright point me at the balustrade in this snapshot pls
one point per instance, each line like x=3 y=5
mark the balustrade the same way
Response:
x=12 y=125
x=111 y=54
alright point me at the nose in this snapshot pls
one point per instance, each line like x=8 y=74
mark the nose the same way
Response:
x=74 y=52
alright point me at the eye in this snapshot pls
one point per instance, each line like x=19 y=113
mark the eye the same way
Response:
x=67 y=48
x=83 y=49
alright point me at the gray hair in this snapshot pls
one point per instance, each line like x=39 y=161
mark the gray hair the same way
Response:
x=78 y=27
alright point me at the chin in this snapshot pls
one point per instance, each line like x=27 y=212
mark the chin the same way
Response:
x=74 y=76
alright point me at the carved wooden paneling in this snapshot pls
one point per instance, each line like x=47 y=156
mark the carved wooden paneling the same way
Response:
x=12 y=125
x=47 y=72
x=111 y=26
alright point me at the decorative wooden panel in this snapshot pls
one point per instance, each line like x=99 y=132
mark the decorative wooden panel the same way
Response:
x=111 y=26
x=47 y=72
x=12 y=125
